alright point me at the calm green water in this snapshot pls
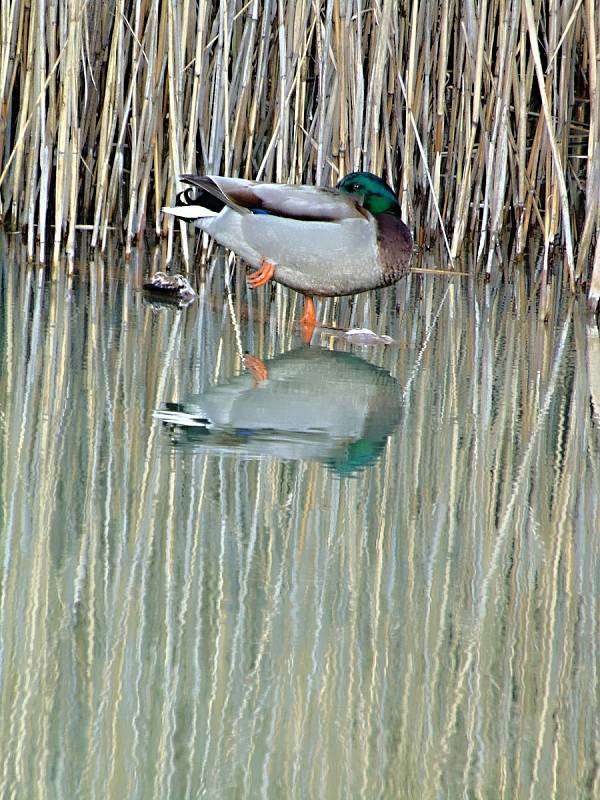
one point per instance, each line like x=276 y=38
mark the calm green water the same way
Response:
x=374 y=575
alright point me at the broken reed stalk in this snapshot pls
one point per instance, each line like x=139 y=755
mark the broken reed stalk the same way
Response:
x=104 y=105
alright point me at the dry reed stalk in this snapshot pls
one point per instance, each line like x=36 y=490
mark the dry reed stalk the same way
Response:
x=103 y=106
x=557 y=163
x=440 y=116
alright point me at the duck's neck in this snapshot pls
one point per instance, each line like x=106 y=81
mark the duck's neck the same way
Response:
x=392 y=210
x=395 y=246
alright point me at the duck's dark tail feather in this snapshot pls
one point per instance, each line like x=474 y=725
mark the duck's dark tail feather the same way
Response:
x=196 y=203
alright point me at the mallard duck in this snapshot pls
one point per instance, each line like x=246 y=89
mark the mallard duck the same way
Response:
x=318 y=241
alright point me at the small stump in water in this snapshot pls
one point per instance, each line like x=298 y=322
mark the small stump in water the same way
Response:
x=174 y=288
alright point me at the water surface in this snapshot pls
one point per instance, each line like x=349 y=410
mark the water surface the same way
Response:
x=373 y=575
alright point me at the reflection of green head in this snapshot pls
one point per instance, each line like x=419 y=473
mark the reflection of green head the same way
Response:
x=358 y=455
x=373 y=193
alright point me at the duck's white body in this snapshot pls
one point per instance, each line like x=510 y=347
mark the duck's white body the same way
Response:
x=320 y=241
x=321 y=258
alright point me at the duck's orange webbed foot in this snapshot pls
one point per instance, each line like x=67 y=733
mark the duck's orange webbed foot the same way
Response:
x=309 y=317
x=256 y=367
x=308 y=320
x=262 y=275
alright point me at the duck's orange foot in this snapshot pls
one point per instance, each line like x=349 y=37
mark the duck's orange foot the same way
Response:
x=309 y=317
x=308 y=320
x=262 y=275
x=256 y=367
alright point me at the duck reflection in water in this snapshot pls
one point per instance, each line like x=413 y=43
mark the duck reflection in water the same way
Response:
x=309 y=403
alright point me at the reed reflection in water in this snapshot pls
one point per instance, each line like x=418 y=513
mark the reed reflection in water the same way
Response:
x=180 y=620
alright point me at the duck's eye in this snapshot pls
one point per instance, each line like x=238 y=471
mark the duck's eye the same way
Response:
x=356 y=187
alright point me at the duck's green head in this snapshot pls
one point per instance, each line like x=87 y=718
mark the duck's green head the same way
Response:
x=371 y=192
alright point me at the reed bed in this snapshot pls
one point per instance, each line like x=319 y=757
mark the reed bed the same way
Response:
x=490 y=110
